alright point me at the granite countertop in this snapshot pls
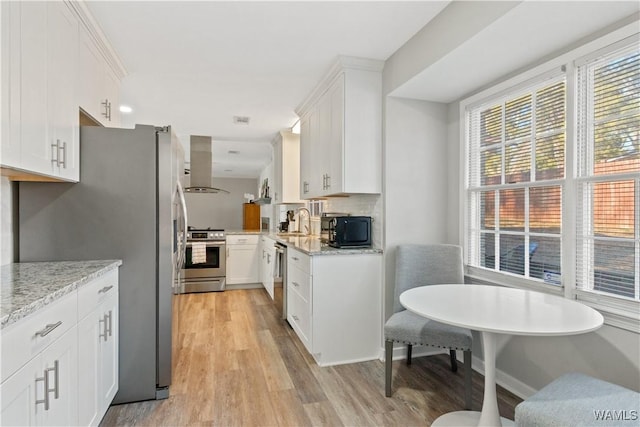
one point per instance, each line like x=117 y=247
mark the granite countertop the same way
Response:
x=28 y=286
x=312 y=245
x=243 y=232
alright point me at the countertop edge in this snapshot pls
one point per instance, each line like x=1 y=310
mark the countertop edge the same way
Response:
x=36 y=305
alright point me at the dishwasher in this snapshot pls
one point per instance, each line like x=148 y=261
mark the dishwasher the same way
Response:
x=280 y=278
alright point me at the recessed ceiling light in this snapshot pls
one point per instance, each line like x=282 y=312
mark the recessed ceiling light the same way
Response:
x=241 y=120
x=125 y=109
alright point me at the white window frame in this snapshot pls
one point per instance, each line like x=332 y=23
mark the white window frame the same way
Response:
x=617 y=312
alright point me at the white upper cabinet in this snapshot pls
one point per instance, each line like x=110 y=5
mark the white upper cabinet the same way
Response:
x=286 y=151
x=40 y=113
x=341 y=132
x=62 y=91
x=99 y=86
x=42 y=86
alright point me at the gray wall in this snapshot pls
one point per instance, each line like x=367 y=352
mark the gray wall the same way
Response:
x=220 y=210
x=6 y=223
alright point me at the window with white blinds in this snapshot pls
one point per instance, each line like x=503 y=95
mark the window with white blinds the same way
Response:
x=515 y=178
x=608 y=171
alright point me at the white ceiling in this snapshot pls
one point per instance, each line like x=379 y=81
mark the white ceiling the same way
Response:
x=528 y=32
x=195 y=65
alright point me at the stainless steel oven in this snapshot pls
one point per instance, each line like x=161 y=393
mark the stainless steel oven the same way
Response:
x=205 y=261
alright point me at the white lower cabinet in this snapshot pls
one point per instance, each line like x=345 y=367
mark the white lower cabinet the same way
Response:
x=44 y=391
x=334 y=304
x=98 y=354
x=58 y=371
x=243 y=264
x=267 y=264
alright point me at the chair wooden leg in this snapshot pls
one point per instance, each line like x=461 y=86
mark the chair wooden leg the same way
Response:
x=388 y=359
x=468 y=371
x=454 y=361
x=409 y=347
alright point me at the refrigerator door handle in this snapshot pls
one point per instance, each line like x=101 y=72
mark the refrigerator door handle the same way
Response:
x=183 y=205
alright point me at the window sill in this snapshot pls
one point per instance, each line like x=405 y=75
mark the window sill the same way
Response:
x=617 y=312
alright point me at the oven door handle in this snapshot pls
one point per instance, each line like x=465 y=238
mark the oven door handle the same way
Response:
x=207 y=243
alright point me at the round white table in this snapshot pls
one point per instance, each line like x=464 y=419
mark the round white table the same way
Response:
x=494 y=310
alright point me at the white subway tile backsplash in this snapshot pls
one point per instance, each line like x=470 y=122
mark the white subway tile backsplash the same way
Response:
x=361 y=205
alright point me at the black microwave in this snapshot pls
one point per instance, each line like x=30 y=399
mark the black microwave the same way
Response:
x=350 y=232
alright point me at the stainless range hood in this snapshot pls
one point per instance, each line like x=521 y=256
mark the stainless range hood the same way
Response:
x=201 y=162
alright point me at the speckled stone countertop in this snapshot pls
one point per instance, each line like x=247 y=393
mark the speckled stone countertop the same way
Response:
x=311 y=245
x=28 y=286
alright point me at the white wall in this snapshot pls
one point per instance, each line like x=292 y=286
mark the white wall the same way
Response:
x=415 y=179
x=6 y=224
x=220 y=210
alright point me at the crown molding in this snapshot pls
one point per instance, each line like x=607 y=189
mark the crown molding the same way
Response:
x=341 y=65
x=94 y=30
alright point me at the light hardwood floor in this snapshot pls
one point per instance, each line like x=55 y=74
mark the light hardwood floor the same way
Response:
x=239 y=364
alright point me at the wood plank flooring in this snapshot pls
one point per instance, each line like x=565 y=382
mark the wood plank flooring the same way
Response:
x=239 y=364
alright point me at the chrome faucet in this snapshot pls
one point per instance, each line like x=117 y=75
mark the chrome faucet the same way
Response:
x=307 y=227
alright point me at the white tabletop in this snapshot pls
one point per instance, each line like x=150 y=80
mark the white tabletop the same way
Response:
x=501 y=310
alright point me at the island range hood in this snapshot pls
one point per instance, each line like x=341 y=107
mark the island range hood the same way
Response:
x=201 y=162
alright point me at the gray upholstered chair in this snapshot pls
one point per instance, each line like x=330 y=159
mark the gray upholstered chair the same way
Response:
x=420 y=265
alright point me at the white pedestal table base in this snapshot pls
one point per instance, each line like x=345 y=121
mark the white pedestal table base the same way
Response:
x=464 y=419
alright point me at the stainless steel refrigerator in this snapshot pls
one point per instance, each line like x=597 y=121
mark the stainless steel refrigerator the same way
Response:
x=128 y=205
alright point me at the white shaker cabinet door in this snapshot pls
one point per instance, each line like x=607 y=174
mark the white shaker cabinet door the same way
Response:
x=62 y=95
x=18 y=395
x=35 y=149
x=89 y=344
x=108 y=356
x=60 y=364
x=243 y=264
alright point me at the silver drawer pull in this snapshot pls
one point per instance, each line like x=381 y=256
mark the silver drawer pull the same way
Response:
x=295 y=283
x=295 y=258
x=295 y=317
x=105 y=289
x=47 y=329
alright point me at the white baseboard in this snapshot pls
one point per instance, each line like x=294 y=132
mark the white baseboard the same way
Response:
x=514 y=385
x=505 y=380
x=244 y=286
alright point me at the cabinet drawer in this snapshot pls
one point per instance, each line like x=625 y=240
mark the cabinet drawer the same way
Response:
x=299 y=260
x=299 y=282
x=243 y=239
x=299 y=316
x=26 y=338
x=93 y=293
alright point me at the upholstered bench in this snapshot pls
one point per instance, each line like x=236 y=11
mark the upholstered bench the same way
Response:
x=579 y=400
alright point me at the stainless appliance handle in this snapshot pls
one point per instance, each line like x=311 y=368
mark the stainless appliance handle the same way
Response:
x=183 y=203
x=208 y=243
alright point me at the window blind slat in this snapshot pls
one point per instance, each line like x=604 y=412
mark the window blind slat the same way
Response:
x=608 y=122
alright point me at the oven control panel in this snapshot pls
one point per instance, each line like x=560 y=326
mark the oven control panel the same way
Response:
x=205 y=235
